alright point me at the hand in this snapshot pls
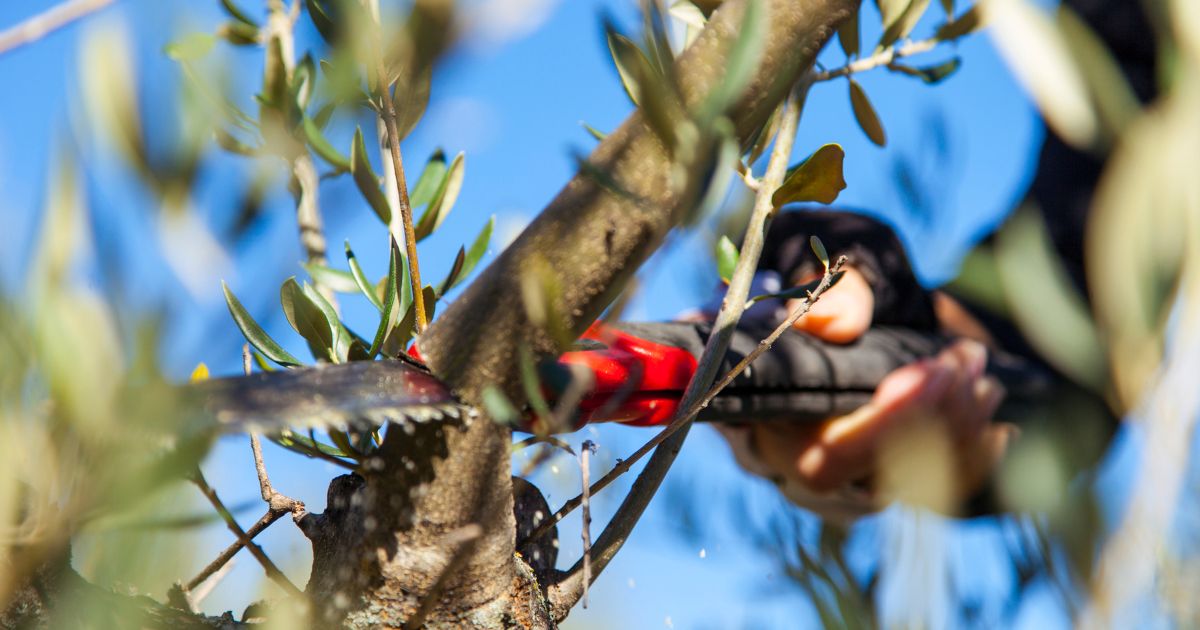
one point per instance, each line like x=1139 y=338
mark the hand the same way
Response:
x=949 y=394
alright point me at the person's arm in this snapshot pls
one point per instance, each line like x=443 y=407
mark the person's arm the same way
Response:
x=832 y=468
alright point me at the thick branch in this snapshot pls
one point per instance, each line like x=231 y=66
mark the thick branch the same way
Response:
x=594 y=240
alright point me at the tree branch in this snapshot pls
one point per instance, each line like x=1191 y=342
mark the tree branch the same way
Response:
x=566 y=593
x=46 y=22
x=881 y=58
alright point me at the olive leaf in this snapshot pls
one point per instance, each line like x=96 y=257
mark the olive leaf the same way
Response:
x=366 y=179
x=865 y=114
x=929 y=74
x=818 y=178
x=443 y=201
x=255 y=333
x=727 y=258
x=309 y=320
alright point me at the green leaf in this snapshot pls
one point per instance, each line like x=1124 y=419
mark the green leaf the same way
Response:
x=727 y=258
x=430 y=180
x=498 y=406
x=387 y=318
x=237 y=13
x=366 y=179
x=190 y=47
x=322 y=147
x=948 y=7
x=741 y=61
x=255 y=334
x=796 y=292
x=455 y=270
x=819 y=249
x=848 y=34
x=238 y=33
x=306 y=445
x=903 y=25
x=688 y=13
x=343 y=338
x=230 y=143
x=360 y=278
x=891 y=10
x=343 y=442
x=818 y=178
x=410 y=98
x=624 y=54
x=595 y=133
x=929 y=74
x=304 y=76
x=477 y=250
x=865 y=114
x=443 y=201
x=335 y=279
x=968 y=22
x=307 y=319
x=321 y=19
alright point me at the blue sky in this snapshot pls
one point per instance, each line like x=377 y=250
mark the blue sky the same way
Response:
x=512 y=97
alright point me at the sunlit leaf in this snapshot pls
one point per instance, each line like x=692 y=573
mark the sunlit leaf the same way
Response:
x=727 y=258
x=818 y=178
x=366 y=179
x=237 y=13
x=819 y=249
x=238 y=33
x=478 y=248
x=190 y=47
x=335 y=279
x=891 y=10
x=624 y=54
x=307 y=319
x=230 y=143
x=595 y=133
x=321 y=146
x=453 y=276
x=904 y=23
x=388 y=315
x=430 y=180
x=360 y=278
x=443 y=201
x=1116 y=104
x=688 y=13
x=255 y=334
x=865 y=114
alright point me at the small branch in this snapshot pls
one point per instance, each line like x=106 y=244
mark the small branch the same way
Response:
x=881 y=58
x=568 y=591
x=276 y=502
x=48 y=21
x=589 y=447
x=463 y=540
x=280 y=24
x=244 y=539
x=402 y=203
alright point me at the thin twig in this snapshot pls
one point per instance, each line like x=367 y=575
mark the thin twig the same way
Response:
x=881 y=58
x=588 y=448
x=276 y=501
x=542 y=439
x=48 y=21
x=388 y=113
x=280 y=24
x=667 y=443
x=463 y=540
x=244 y=539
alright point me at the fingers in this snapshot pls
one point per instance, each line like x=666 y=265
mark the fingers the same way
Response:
x=949 y=394
x=843 y=313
